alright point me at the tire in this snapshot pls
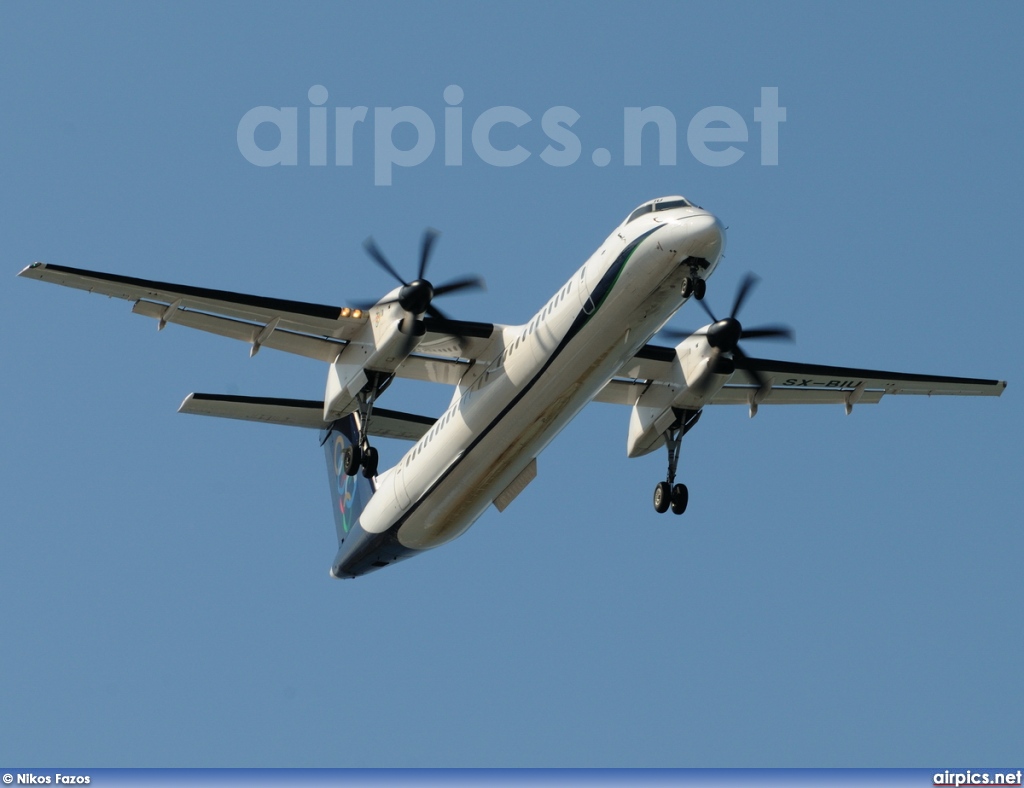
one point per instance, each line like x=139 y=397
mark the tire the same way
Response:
x=353 y=457
x=680 y=497
x=687 y=290
x=370 y=461
x=700 y=289
x=662 y=497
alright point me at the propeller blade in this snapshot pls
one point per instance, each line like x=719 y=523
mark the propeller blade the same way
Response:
x=372 y=249
x=411 y=340
x=675 y=333
x=466 y=282
x=748 y=283
x=753 y=374
x=768 y=332
x=429 y=236
x=707 y=309
x=433 y=311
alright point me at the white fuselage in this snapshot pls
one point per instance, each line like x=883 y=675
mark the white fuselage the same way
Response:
x=500 y=419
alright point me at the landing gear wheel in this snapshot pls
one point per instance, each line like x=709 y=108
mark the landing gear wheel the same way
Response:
x=700 y=289
x=662 y=497
x=687 y=290
x=353 y=457
x=680 y=497
x=370 y=460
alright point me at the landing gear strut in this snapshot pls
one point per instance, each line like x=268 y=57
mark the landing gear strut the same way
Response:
x=362 y=454
x=668 y=494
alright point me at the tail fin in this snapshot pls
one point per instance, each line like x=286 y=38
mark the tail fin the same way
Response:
x=350 y=494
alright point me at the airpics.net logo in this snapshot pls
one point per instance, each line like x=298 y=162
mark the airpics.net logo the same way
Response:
x=715 y=136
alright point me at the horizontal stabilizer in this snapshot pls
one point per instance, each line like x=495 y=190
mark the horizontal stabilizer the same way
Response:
x=301 y=413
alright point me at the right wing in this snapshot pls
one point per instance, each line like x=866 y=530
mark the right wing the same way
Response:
x=316 y=331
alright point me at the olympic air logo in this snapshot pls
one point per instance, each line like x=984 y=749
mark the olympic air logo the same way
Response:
x=345 y=485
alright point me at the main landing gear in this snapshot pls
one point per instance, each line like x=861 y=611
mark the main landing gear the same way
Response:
x=362 y=454
x=667 y=494
x=365 y=458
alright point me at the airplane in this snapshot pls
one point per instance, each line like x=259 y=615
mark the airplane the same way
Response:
x=515 y=387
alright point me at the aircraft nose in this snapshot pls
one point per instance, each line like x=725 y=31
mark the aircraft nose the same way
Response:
x=703 y=236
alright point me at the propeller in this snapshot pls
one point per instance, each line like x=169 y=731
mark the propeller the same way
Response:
x=724 y=335
x=416 y=297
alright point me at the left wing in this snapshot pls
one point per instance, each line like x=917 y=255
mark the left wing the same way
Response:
x=788 y=382
x=314 y=330
x=788 y=376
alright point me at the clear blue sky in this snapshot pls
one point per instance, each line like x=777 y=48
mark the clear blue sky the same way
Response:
x=843 y=591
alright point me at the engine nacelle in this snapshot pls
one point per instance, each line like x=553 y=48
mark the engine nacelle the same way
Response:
x=382 y=347
x=647 y=427
x=698 y=372
x=344 y=382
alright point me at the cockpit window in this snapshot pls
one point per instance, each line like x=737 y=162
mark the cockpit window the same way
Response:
x=664 y=206
x=640 y=212
x=658 y=206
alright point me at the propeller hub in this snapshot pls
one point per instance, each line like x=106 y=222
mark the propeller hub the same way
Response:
x=416 y=296
x=725 y=334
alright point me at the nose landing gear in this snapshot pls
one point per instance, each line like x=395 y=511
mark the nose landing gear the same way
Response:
x=668 y=494
x=694 y=285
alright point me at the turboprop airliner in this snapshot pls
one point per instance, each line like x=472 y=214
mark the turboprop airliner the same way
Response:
x=514 y=386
